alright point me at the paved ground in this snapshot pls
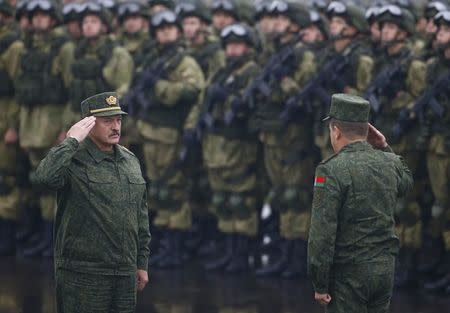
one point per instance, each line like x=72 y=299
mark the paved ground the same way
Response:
x=26 y=285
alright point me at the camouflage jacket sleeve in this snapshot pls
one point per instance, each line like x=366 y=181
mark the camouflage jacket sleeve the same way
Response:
x=405 y=178
x=144 y=236
x=324 y=222
x=52 y=171
x=12 y=58
x=119 y=71
x=185 y=82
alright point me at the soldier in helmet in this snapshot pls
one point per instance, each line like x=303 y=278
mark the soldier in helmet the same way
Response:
x=160 y=5
x=316 y=35
x=101 y=64
x=353 y=73
x=41 y=92
x=71 y=19
x=438 y=152
x=397 y=91
x=202 y=45
x=431 y=9
x=22 y=16
x=224 y=13
x=375 y=30
x=230 y=149
x=10 y=49
x=161 y=98
x=287 y=141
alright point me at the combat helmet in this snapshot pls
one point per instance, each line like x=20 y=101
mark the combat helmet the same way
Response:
x=351 y=13
x=238 y=32
x=395 y=14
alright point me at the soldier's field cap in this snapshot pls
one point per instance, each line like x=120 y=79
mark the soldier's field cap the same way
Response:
x=102 y=104
x=349 y=108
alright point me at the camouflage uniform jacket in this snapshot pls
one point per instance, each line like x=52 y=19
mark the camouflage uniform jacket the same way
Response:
x=352 y=222
x=101 y=224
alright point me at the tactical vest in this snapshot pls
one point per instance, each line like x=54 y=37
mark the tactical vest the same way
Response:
x=203 y=56
x=161 y=115
x=7 y=84
x=87 y=73
x=269 y=109
x=234 y=84
x=37 y=85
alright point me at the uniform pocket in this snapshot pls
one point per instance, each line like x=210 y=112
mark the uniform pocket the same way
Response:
x=137 y=187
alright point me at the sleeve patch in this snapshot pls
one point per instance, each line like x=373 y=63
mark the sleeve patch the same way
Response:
x=320 y=181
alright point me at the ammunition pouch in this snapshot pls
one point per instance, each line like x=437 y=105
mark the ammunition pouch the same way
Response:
x=220 y=206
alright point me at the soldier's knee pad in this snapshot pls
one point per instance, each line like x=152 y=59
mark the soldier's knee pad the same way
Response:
x=240 y=205
x=219 y=205
x=274 y=199
x=291 y=199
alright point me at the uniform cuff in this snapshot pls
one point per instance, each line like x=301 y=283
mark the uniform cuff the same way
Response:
x=71 y=142
x=142 y=263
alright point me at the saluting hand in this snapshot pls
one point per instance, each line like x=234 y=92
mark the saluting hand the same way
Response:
x=81 y=130
x=376 y=138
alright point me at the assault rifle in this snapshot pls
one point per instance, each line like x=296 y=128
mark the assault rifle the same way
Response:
x=316 y=88
x=383 y=83
x=426 y=100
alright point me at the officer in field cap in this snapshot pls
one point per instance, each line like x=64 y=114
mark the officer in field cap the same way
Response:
x=102 y=104
x=352 y=242
x=349 y=108
x=102 y=216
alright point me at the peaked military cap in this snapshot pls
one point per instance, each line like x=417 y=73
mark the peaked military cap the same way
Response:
x=102 y=104
x=349 y=108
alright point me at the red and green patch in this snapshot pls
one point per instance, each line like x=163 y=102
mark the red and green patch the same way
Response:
x=320 y=181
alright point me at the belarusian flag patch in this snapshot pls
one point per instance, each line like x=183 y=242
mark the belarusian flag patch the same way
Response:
x=320 y=181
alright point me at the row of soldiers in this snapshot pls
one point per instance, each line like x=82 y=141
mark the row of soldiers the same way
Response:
x=225 y=105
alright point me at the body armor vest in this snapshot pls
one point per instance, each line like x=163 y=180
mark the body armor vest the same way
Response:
x=87 y=73
x=37 y=85
x=157 y=113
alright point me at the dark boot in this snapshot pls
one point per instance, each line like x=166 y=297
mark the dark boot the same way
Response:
x=297 y=262
x=29 y=225
x=159 y=245
x=239 y=260
x=406 y=272
x=8 y=239
x=279 y=265
x=224 y=258
x=45 y=242
x=211 y=238
x=174 y=257
x=443 y=281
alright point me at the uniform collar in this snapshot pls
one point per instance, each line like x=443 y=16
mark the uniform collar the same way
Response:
x=99 y=155
x=356 y=146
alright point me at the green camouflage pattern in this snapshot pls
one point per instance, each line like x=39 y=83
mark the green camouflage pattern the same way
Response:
x=352 y=220
x=101 y=199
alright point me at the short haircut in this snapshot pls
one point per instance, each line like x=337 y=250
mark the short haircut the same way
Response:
x=351 y=130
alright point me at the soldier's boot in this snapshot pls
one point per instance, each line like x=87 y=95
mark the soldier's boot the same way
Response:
x=44 y=243
x=406 y=273
x=239 y=260
x=2 y=235
x=432 y=249
x=297 y=262
x=443 y=281
x=224 y=258
x=8 y=239
x=174 y=257
x=278 y=265
x=159 y=243
x=211 y=237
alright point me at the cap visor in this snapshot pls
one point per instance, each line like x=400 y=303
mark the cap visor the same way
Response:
x=326 y=118
x=110 y=113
